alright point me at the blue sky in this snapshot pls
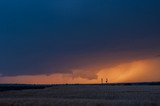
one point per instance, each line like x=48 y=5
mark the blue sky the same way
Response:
x=56 y=36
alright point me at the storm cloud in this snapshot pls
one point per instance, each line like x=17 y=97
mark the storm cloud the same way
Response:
x=59 y=36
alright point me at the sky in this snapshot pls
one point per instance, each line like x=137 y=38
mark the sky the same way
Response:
x=79 y=41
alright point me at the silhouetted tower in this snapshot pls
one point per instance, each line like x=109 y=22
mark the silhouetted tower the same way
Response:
x=106 y=80
x=101 y=80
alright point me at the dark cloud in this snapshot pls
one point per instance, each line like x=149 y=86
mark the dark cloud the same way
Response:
x=43 y=37
x=157 y=55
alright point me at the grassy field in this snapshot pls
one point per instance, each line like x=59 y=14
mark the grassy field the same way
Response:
x=84 y=95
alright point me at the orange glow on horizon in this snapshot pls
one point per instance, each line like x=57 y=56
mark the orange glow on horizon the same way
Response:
x=136 y=71
x=123 y=72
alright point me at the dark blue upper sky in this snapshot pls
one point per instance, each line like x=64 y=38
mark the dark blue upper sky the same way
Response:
x=47 y=36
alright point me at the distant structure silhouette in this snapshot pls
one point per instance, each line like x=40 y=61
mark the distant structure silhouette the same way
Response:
x=101 y=80
x=106 y=80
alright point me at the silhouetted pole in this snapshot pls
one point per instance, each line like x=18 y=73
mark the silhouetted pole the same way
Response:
x=101 y=80
x=106 y=80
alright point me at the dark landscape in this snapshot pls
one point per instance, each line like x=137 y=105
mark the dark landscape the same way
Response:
x=121 y=94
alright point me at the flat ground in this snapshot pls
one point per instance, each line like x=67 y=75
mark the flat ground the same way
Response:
x=84 y=95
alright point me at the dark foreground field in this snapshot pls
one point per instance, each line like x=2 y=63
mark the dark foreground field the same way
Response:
x=84 y=95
